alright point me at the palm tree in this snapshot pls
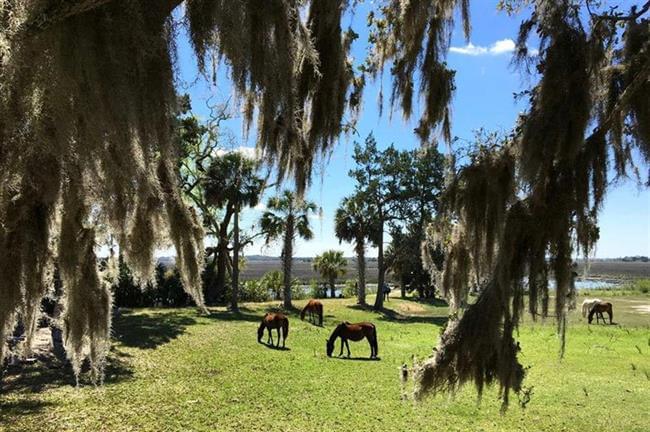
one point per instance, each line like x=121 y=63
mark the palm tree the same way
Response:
x=354 y=222
x=287 y=217
x=331 y=265
x=232 y=183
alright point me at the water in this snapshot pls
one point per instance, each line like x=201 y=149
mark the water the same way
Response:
x=591 y=284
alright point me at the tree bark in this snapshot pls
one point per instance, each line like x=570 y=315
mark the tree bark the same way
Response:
x=287 y=254
x=219 y=288
x=379 y=300
x=361 y=266
x=235 y=264
x=333 y=287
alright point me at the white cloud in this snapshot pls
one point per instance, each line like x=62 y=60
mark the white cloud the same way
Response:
x=260 y=206
x=248 y=152
x=502 y=46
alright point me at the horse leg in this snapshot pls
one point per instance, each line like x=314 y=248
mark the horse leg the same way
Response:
x=347 y=345
x=270 y=339
x=342 y=343
x=278 y=336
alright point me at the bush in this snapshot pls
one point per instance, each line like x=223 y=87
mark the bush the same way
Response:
x=297 y=290
x=350 y=289
x=253 y=291
x=315 y=289
x=642 y=285
x=272 y=283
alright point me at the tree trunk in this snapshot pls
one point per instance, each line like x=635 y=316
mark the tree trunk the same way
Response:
x=333 y=287
x=361 y=266
x=222 y=257
x=403 y=288
x=287 y=254
x=235 y=264
x=379 y=300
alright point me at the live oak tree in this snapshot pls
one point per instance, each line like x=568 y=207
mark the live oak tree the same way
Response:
x=420 y=182
x=232 y=183
x=199 y=144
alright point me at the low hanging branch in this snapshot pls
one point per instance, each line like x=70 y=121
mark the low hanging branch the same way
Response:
x=535 y=199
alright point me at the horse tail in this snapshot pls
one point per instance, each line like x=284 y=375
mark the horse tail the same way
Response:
x=285 y=328
x=611 y=312
x=303 y=311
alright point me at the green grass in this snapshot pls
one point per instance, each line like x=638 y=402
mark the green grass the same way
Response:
x=175 y=370
x=637 y=287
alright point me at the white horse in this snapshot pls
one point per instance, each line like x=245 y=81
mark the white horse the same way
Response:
x=587 y=304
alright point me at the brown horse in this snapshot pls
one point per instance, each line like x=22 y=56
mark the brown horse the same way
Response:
x=313 y=307
x=598 y=309
x=354 y=332
x=274 y=320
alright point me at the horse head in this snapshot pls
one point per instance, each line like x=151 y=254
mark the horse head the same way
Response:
x=329 y=346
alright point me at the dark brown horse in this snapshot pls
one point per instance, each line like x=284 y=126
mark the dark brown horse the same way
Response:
x=354 y=332
x=313 y=307
x=598 y=309
x=277 y=321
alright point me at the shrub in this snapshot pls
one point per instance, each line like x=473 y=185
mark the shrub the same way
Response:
x=253 y=291
x=315 y=289
x=272 y=283
x=350 y=288
x=297 y=290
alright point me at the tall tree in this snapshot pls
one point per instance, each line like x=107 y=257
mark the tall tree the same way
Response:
x=287 y=217
x=331 y=265
x=199 y=143
x=378 y=174
x=420 y=183
x=232 y=183
x=355 y=222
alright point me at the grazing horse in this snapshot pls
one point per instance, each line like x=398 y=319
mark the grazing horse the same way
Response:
x=587 y=304
x=274 y=320
x=354 y=332
x=313 y=307
x=598 y=309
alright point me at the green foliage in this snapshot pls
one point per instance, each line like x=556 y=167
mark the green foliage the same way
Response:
x=254 y=291
x=272 y=282
x=316 y=290
x=330 y=264
x=232 y=180
x=126 y=292
x=350 y=290
x=297 y=290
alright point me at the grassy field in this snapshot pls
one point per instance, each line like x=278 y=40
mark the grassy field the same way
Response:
x=175 y=370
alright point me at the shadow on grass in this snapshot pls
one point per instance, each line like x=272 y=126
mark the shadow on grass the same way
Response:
x=369 y=359
x=387 y=314
x=274 y=347
x=14 y=408
x=49 y=373
x=148 y=331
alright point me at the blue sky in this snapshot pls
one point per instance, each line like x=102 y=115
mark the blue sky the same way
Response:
x=485 y=83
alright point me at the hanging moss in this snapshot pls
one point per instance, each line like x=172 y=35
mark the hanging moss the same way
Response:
x=525 y=207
